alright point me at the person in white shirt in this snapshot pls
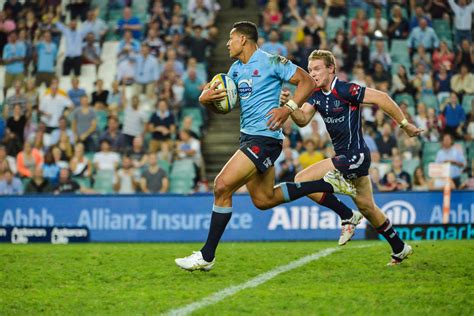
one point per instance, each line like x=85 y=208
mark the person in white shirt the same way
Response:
x=127 y=179
x=462 y=19
x=134 y=121
x=52 y=107
x=106 y=159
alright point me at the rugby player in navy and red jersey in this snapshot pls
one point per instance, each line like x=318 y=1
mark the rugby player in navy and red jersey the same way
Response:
x=339 y=102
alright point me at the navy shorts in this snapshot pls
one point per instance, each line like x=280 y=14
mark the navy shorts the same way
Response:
x=263 y=151
x=353 y=163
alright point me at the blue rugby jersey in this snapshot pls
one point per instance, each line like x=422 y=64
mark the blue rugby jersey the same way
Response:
x=341 y=112
x=259 y=83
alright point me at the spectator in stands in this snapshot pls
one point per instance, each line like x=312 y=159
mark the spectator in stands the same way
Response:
x=418 y=14
x=469 y=126
x=401 y=83
x=192 y=88
x=50 y=170
x=17 y=98
x=91 y=51
x=126 y=71
x=154 y=179
x=129 y=23
x=156 y=44
x=305 y=49
x=17 y=122
x=443 y=56
x=172 y=59
x=27 y=160
x=115 y=96
x=106 y=159
x=420 y=183
x=46 y=53
x=99 y=96
x=134 y=121
x=12 y=143
x=65 y=146
x=137 y=153
x=147 y=72
x=463 y=82
x=465 y=55
x=469 y=183
x=198 y=46
x=378 y=23
x=359 y=54
x=381 y=55
x=442 y=83
x=76 y=93
x=392 y=183
x=189 y=148
x=436 y=125
x=14 y=54
x=273 y=46
x=187 y=124
x=454 y=114
x=128 y=47
x=40 y=138
x=59 y=157
x=403 y=178
x=203 y=16
x=422 y=81
x=311 y=153
x=10 y=185
x=52 y=106
x=422 y=57
x=423 y=35
x=81 y=166
x=386 y=142
x=95 y=25
x=359 y=20
x=113 y=135
x=14 y=7
x=66 y=185
x=437 y=9
x=166 y=152
x=381 y=77
x=293 y=134
x=398 y=25
x=374 y=175
x=286 y=169
x=84 y=124
x=272 y=14
x=315 y=30
x=73 y=51
x=6 y=161
x=162 y=125
x=462 y=20
x=453 y=155
x=126 y=180
x=421 y=118
x=38 y=184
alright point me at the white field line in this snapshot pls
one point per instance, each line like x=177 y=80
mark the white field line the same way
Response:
x=260 y=279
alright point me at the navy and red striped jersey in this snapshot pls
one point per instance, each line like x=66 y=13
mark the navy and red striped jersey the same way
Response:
x=341 y=112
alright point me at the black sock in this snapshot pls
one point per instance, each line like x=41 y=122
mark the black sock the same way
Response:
x=218 y=224
x=295 y=190
x=391 y=235
x=331 y=201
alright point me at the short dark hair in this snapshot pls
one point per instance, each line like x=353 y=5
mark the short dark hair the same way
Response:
x=248 y=29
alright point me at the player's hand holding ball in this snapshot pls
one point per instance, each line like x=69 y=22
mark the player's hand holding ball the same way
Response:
x=220 y=95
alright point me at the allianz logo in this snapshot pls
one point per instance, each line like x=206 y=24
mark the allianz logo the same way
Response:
x=400 y=212
x=331 y=120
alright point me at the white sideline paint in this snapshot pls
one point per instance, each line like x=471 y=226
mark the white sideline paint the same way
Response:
x=260 y=279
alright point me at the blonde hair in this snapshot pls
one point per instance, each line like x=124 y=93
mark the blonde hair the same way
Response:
x=324 y=55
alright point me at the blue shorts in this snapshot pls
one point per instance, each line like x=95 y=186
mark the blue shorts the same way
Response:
x=353 y=164
x=262 y=150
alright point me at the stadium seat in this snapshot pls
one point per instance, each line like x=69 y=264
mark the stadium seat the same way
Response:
x=399 y=51
x=409 y=165
x=333 y=25
x=195 y=113
x=83 y=182
x=104 y=181
x=165 y=165
x=467 y=102
x=407 y=98
x=430 y=101
x=442 y=29
x=430 y=149
x=181 y=186
x=183 y=169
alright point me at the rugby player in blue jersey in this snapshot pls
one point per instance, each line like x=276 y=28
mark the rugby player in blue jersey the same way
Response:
x=339 y=102
x=259 y=77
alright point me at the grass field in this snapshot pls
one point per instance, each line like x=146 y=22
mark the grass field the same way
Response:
x=142 y=279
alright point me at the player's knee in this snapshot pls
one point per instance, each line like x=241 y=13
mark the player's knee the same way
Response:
x=366 y=206
x=220 y=187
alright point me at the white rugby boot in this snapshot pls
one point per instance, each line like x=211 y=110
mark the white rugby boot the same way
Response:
x=339 y=183
x=194 y=262
x=348 y=227
x=399 y=257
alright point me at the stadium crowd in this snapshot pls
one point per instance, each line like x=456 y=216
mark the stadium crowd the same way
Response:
x=101 y=96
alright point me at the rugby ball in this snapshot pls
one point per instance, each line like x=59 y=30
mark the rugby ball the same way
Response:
x=228 y=103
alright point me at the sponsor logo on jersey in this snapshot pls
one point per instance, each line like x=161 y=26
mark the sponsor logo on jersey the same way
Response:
x=354 y=89
x=256 y=73
x=245 y=88
x=332 y=120
x=337 y=107
x=255 y=149
x=235 y=74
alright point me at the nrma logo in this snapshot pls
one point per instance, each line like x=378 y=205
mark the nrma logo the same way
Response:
x=245 y=88
x=400 y=212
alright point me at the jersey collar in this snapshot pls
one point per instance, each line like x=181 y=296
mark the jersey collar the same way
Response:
x=333 y=84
